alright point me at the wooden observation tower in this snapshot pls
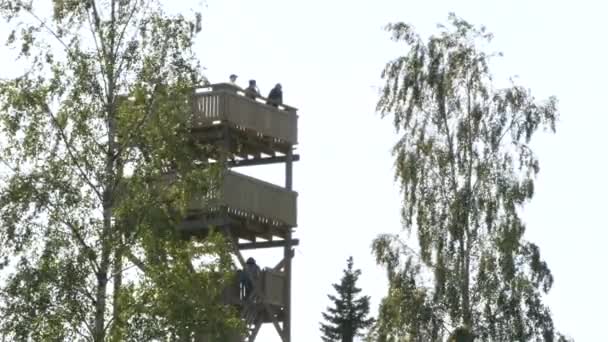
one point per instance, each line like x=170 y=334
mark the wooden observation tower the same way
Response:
x=254 y=214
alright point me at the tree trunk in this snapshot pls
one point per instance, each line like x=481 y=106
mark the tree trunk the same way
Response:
x=102 y=278
x=106 y=240
x=466 y=302
x=117 y=324
x=107 y=234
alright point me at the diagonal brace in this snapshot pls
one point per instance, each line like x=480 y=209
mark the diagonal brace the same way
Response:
x=281 y=264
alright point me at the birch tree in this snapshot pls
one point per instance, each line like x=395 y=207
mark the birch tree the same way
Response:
x=466 y=169
x=88 y=132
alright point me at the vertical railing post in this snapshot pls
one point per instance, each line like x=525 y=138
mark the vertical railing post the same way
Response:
x=287 y=254
x=293 y=125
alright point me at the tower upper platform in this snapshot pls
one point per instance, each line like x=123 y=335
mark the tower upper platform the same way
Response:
x=249 y=129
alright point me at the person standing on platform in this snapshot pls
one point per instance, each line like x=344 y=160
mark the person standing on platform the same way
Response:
x=233 y=78
x=250 y=276
x=252 y=91
x=275 y=97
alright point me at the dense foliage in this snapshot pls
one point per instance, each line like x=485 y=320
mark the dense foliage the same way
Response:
x=87 y=221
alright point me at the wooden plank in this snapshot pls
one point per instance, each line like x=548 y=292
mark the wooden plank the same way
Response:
x=262 y=161
x=267 y=244
x=274 y=285
x=242 y=227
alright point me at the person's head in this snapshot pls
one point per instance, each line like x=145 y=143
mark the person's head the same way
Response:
x=233 y=78
x=250 y=261
x=278 y=86
x=252 y=83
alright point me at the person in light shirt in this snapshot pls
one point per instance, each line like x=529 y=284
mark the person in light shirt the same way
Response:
x=233 y=78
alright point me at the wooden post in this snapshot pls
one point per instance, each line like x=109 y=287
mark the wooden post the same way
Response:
x=289 y=169
x=287 y=254
x=225 y=153
x=281 y=264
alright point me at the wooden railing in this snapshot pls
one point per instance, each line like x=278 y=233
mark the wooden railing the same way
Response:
x=273 y=283
x=224 y=102
x=269 y=289
x=251 y=198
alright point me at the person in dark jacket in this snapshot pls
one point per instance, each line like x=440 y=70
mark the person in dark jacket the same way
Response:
x=249 y=276
x=275 y=97
x=252 y=91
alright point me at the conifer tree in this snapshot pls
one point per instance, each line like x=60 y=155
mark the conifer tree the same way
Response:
x=348 y=315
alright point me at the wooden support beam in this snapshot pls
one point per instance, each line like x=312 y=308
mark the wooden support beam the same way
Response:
x=239 y=153
x=235 y=141
x=255 y=331
x=288 y=253
x=242 y=233
x=250 y=230
x=261 y=161
x=289 y=158
x=227 y=144
x=267 y=244
x=281 y=264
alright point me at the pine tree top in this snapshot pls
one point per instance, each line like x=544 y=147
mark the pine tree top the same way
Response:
x=347 y=316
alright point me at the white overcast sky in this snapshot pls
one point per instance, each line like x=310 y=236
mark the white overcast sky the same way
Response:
x=328 y=56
